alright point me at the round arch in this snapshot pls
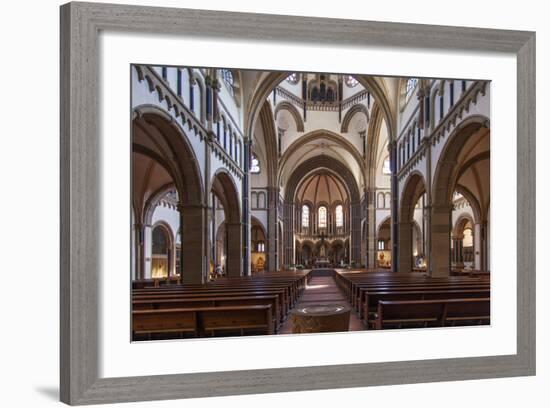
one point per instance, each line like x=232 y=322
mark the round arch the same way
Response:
x=311 y=136
x=414 y=187
x=162 y=259
x=284 y=105
x=266 y=84
x=340 y=170
x=226 y=191
x=359 y=108
x=444 y=184
x=157 y=136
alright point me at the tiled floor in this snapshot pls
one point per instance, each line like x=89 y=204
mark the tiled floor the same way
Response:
x=323 y=290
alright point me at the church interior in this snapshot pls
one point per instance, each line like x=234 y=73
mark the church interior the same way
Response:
x=268 y=202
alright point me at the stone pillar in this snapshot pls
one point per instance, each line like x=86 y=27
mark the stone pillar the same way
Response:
x=460 y=251
x=477 y=246
x=140 y=251
x=484 y=246
x=246 y=208
x=192 y=258
x=147 y=250
x=234 y=260
x=440 y=261
x=288 y=231
x=272 y=229
x=404 y=259
x=355 y=238
x=371 y=229
x=392 y=146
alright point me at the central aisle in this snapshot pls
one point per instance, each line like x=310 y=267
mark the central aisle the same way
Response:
x=323 y=290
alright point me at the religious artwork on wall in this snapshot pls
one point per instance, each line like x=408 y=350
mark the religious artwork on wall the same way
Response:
x=307 y=197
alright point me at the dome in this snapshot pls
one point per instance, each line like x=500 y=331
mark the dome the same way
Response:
x=322 y=187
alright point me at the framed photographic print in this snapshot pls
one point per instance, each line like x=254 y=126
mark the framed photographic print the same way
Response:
x=251 y=204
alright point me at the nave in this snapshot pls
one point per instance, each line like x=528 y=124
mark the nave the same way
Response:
x=266 y=303
x=247 y=185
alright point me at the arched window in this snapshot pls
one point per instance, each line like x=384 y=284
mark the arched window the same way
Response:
x=292 y=78
x=254 y=164
x=227 y=77
x=411 y=85
x=350 y=81
x=386 y=169
x=468 y=239
x=381 y=245
x=305 y=216
x=160 y=262
x=339 y=215
x=322 y=217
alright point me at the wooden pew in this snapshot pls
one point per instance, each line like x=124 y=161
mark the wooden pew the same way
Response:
x=363 y=291
x=431 y=313
x=372 y=298
x=191 y=302
x=202 y=321
x=356 y=296
x=284 y=302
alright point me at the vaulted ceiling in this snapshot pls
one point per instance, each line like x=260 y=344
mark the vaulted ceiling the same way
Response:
x=322 y=187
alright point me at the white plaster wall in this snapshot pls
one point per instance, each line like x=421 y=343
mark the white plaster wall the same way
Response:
x=295 y=89
x=381 y=215
x=261 y=215
x=347 y=91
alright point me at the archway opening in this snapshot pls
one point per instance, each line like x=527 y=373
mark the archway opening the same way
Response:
x=258 y=247
x=464 y=167
x=411 y=248
x=228 y=252
x=383 y=245
x=161 y=262
x=166 y=184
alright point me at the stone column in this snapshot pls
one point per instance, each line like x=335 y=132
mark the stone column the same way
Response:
x=392 y=146
x=405 y=247
x=192 y=258
x=355 y=238
x=140 y=250
x=288 y=231
x=246 y=208
x=272 y=228
x=477 y=246
x=147 y=250
x=440 y=240
x=484 y=246
x=459 y=251
x=371 y=229
x=234 y=260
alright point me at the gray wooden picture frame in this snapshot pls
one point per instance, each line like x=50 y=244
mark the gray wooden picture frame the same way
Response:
x=80 y=192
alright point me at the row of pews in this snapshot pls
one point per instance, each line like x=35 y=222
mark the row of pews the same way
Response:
x=255 y=304
x=385 y=300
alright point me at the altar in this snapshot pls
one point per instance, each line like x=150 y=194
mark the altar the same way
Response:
x=321 y=263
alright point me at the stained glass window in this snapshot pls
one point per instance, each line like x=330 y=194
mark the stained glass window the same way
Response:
x=386 y=169
x=322 y=217
x=350 y=81
x=254 y=164
x=227 y=77
x=339 y=216
x=305 y=216
x=411 y=85
x=292 y=78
